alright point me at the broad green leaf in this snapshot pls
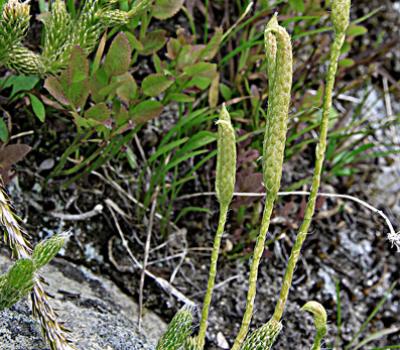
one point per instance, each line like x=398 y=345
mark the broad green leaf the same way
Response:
x=78 y=93
x=146 y=111
x=226 y=91
x=201 y=69
x=189 y=54
x=118 y=57
x=345 y=48
x=110 y=90
x=153 y=42
x=128 y=88
x=20 y=83
x=356 y=30
x=200 y=82
x=78 y=68
x=213 y=93
x=74 y=79
x=54 y=87
x=174 y=47
x=346 y=62
x=3 y=131
x=99 y=112
x=155 y=84
x=158 y=64
x=180 y=97
x=122 y=116
x=135 y=43
x=164 y=9
x=98 y=81
x=212 y=48
x=38 y=108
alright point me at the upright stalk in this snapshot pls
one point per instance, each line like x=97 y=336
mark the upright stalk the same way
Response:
x=320 y=322
x=279 y=64
x=340 y=18
x=211 y=278
x=224 y=185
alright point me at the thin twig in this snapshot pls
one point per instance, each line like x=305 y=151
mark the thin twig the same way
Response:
x=131 y=198
x=165 y=285
x=78 y=217
x=22 y=134
x=388 y=103
x=393 y=235
x=146 y=254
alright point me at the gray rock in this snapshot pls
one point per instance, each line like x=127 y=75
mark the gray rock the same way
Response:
x=100 y=316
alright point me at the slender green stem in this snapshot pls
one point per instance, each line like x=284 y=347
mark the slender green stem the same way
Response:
x=320 y=156
x=319 y=336
x=211 y=277
x=279 y=63
x=320 y=321
x=224 y=186
x=258 y=252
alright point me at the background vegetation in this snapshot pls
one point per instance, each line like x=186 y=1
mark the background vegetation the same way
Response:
x=126 y=134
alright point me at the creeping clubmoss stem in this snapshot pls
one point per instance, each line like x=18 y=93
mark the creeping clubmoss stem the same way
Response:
x=279 y=65
x=340 y=19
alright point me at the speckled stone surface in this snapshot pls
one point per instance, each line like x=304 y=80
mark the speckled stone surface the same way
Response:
x=100 y=316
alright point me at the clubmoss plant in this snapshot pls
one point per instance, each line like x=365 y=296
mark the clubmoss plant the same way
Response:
x=62 y=33
x=320 y=321
x=340 y=19
x=225 y=185
x=264 y=337
x=20 y=279
x=178 y=332
x=279 y=62
x=16 y=283
x=16 y=238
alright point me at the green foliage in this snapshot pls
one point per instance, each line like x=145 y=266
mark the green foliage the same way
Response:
x=20 y=278
x=164 y=9
x=16 y=283
x=46 y=250
x=178 y=331
x=226 y=160
x=3 y=131
x=340 y=18
x=62 y=33
x=264 y=337
x=320 y=321
x=38 y=107
x=224 y=186
x=279 y=67
x=109 y=103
